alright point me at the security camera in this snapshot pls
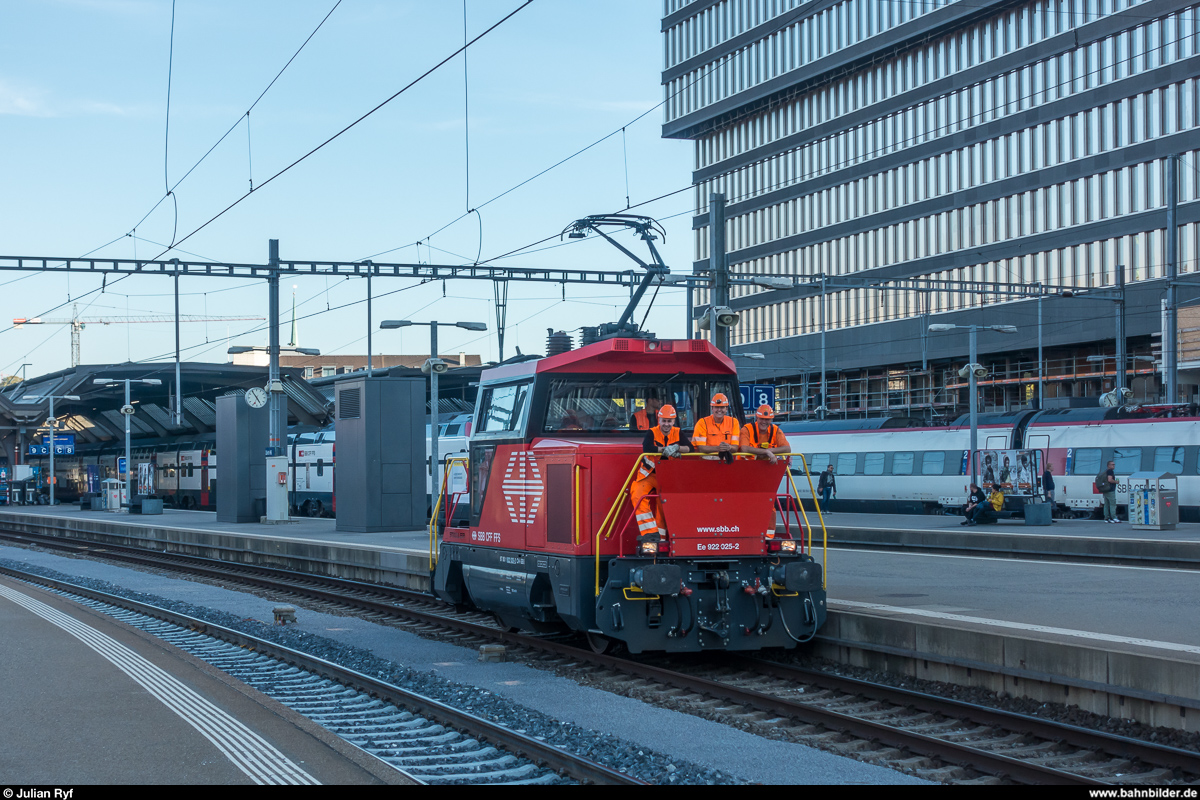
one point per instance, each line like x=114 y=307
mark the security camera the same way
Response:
x=432 y=365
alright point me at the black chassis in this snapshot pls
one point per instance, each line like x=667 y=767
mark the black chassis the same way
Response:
x=546 y=592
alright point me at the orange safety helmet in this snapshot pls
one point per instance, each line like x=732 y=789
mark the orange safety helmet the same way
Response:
x=666 y=412
x=720 y=401
x=765 y=412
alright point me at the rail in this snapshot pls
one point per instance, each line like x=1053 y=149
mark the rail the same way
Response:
x=608 y=526
x=433 y=516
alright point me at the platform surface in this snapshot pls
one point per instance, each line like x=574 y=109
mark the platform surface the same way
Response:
x=143 y=712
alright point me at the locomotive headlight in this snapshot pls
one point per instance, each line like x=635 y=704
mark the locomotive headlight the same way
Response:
x=648 y=548
x=788 y=545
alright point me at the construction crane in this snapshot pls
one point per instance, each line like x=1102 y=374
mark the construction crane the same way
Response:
x=77 y=324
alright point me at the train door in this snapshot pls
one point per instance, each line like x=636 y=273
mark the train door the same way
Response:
x=204 y=455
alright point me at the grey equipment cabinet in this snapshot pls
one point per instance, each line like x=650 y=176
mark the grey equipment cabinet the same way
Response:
x=380 y=478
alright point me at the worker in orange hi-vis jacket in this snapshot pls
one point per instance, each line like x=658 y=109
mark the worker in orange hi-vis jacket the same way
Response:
x=718 y=433
x=665 y=440
x=763 y=438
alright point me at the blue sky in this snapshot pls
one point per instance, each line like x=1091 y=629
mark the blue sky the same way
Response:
x=86 y=153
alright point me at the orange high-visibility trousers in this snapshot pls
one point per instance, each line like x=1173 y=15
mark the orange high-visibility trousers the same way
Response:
x=646 y=510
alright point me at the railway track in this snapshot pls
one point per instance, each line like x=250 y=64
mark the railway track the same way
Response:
x=929 y=736
x=431 y=741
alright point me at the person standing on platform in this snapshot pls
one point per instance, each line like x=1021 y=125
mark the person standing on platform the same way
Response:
x=1048 y=485
x=665 y=440
x=718 y=433
x=1106 y=484
x=827 y=486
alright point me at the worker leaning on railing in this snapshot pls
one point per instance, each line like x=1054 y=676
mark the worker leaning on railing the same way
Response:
x=718 y=433
x=763 y=438
x=667 y=441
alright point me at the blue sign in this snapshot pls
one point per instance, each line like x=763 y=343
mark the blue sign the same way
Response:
x=757 y=394
x=121 y=467
x=64 y=445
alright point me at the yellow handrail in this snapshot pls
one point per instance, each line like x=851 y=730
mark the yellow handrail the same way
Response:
x=612 y=514
x=820 y=516
x=449 y=466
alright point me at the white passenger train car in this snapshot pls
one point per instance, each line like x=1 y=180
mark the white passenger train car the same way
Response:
x=899 y=465
x=1081 y=442
x=894 y=465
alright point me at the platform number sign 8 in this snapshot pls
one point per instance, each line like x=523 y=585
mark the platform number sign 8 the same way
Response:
x=757 y=394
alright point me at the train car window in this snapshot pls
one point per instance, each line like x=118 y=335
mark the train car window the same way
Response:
x=504 y=407
x=1087 y=461
x=1128 y=459
x=846 y=463
x=453 y=430
x=902 y=463
x=873 y=464
x=933 y=463
x=817 y=462
x=1168 y=459
x=306 y=438
x=328 y=436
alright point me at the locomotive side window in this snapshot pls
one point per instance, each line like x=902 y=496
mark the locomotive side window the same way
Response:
x=1087 y=461
x=846 y=463
x=873 y=464
x=933 y=463
x=503 y=408
x=1168 y=459
x=902 y=463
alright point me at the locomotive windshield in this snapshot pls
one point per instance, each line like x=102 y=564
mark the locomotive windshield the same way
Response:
x=611 y=403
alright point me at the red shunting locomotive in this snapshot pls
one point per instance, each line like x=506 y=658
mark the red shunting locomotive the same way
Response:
x=551 y=541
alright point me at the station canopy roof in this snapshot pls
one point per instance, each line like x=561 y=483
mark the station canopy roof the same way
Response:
x=96 y=416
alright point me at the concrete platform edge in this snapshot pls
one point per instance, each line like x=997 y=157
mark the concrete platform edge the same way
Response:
x=1128 y=685
x=367 y=564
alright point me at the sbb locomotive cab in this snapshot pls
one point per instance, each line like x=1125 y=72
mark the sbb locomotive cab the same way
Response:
x=551 y=540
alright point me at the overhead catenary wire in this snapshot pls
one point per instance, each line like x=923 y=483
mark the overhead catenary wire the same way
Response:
x=353 y=124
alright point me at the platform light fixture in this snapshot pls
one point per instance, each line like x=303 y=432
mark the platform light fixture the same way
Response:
x=52 y=423
x=974 y=371
x=127 y=412
x=433 y=367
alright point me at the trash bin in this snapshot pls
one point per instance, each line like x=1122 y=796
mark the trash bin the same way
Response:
x=113 y=492
x=1153 y=501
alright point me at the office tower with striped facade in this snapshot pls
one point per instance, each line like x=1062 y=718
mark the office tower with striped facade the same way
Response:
x=1007 y=142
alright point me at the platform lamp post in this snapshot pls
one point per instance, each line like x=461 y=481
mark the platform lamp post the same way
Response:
x=52 y=424
x=752 y=357
x=127 y=412
x=433 y=367
x=974 y=371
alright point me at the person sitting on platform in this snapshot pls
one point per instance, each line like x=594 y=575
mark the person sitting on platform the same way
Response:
x=985 y=512
x=975 y=498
